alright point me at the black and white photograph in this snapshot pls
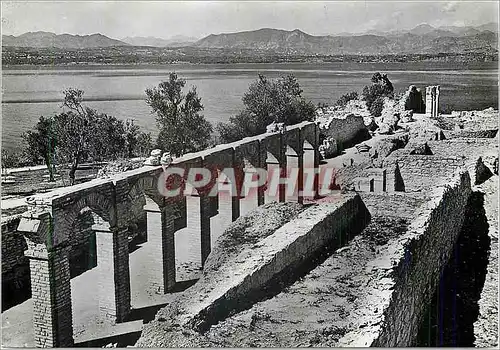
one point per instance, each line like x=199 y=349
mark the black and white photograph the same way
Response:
x=236 y=174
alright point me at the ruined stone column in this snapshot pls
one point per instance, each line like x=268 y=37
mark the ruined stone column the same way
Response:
x=167 y=244
x=384 y=180
x=300 y=178
x=432 y=100
x=316 y=173
x=154 y=245
x=114 y=273
x=263 y=165
x=205 y=227
x=429 y=103
x=283 y=168
x=235 y=198
x=161 y=242
x=51 y=294
x=436 y=101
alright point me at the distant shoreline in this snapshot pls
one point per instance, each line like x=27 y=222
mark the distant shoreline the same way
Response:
x=429 y=65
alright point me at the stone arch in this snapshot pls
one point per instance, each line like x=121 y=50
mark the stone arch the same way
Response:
x=83 y=253
x=95 y=201
x=148 y=186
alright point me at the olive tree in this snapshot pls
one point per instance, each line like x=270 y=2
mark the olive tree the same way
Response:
x=374 y=94
x=41 y=144
x=266 y=101
x=182 y=127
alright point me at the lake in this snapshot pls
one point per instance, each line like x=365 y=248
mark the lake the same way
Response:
x=30 y=92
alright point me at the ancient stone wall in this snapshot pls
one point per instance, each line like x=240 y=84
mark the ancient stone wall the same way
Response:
x=398 y=204
x=470 y=149
x=15 y=266
x=423 y=172
x=431 y=239
x=344 y=129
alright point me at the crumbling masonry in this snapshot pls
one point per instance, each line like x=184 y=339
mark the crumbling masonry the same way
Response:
x=432 y=101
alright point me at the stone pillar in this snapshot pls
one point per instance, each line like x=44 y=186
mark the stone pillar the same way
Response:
x=205 y=227
x=114 y=273
x=167 y=245
x=161 y=244
x=432 y=100
x=235 y=198
x=283 y=169
x=436 y=101
x=300 y=178
x=51 y=294
x=155 y=249
x=316 y=174
x=384 y=180
x=262 y=165
x=181 y=213
x=428 y=100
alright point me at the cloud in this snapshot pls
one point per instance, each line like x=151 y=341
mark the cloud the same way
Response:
x=450 y=6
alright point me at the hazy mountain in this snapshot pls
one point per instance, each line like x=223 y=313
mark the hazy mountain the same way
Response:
x=426 y=29
x=422 y=29
x=422 y=39
x=178 y=40
x=46 y=39
x=492 y=27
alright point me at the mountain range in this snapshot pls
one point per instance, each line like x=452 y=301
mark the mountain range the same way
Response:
x=175 y=41
x=421 y=39
x=68 y=41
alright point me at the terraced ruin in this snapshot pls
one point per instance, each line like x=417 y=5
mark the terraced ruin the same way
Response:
x=407 y=215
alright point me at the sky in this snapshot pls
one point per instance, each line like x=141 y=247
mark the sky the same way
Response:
x=163 y=19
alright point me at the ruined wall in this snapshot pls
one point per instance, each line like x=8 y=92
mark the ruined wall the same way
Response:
x=399 y=204
x=422 y=172
x=482 y=134
x=432 y=237
x=15 y=265
x=343 y=128
x=469 y=148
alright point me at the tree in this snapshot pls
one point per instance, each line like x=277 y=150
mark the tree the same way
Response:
x=84 y=134
x=10 y=159
x=182 y=129
x=144 y=144
x=41 y=144
x=268 y=101
x=345 y=98
x=374 y=94
x=132 y=133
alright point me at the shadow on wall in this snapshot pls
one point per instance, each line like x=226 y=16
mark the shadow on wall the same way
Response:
x=450 y=316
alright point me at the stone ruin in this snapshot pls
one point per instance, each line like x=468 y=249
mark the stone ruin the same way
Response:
x=413 y=100
x=276 y=127
x=432 y=101
x=156 y=158
x=421 y=181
